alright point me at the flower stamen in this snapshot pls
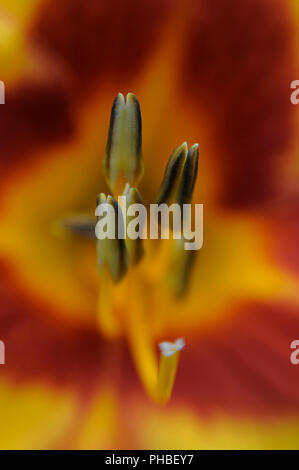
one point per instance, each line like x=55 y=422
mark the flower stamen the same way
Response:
x=123 y=158
x=119 y=254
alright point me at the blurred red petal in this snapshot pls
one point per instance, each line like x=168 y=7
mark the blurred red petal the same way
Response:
x=243 y=367
x=37 y=113
x=40 y=347
x=238 y=63
x=100 y=41
x=282 y=226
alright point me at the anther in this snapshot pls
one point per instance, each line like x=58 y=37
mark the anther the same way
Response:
x=123 y=158
x=188 y=178
x=180 y=176
x=111 y=248
x=134 y=237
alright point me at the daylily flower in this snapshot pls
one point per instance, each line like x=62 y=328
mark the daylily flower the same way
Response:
x=217 y=73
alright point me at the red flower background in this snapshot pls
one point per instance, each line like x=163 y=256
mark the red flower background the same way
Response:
x=214 y=72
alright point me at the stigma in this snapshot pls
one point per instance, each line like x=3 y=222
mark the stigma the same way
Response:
x=168 y=349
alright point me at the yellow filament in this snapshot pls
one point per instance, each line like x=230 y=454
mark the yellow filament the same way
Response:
x=157 y=381
x=166 y=376
x=139 y=339
x=106 y=318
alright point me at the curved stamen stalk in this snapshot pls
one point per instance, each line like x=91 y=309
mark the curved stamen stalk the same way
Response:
x=134 y=244
x=157 y=379
x=168 y=368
